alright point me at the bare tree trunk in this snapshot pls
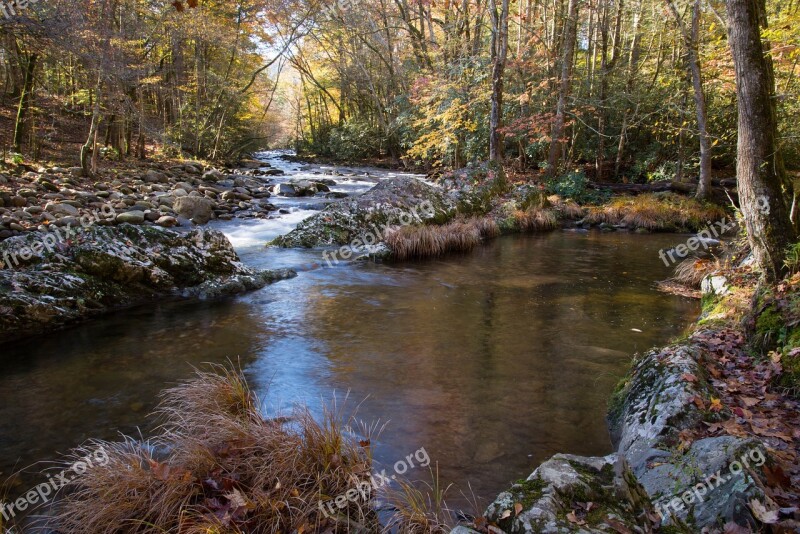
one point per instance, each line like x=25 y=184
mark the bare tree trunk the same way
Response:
x=24 y=102
x=633 y=63
x=89 y=164
x=570 y=36
x=760 y=173
x=499 y=54
x=691 y=39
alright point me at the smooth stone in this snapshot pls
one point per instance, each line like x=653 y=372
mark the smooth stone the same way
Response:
x=61 y=209
x=167 y=221
x=131 y=217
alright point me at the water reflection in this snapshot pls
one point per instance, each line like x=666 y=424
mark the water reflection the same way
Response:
x=491 y=361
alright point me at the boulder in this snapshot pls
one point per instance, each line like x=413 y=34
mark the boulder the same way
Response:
x=199 y=210
x=648 y=480
x=102 y=269
x=392 y=202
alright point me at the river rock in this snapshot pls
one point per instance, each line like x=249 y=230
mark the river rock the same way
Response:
x=131 y=217
x=199 y=210
x=106 y=268
x=167 y=221
x=395 y=201
x=61 y=208
x=284 y=190
x=648 y=479
x=213 y=176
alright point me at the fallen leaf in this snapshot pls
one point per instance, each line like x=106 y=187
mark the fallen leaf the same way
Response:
x=716 y=405
x=689 y=377
x=505 y=515
x=574 y=519
x=618 y=526
x=518 y=509
x=750 y=401
x=762 y=514
x=776 y=477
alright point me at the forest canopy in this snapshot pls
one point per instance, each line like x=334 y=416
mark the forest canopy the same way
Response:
x=627 y=90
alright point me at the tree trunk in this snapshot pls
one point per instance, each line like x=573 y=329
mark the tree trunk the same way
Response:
x=499 y=54
x=691 y=39
x=760 y=173
x=24 y=103
x=570 y=35
x=90 y=147
x=704 y=183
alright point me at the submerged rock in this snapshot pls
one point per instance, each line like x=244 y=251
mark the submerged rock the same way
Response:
x=396 y=201
x=50 y=280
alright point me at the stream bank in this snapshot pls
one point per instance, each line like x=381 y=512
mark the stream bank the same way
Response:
x=704 y=430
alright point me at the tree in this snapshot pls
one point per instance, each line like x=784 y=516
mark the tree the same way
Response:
x=759 y=169
x=568 y=55
x=499 y=54
x=691 y=40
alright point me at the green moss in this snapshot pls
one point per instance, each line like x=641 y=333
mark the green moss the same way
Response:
x=616 y=403
x=791 y=371
x=527 y=492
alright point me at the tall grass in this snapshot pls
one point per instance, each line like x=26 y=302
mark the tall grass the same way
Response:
x=431 y=241
x=536 y=219
x=657 y=212
x=222 y=467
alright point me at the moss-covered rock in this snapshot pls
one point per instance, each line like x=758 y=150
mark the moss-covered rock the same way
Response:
x=393 y=202
x=652 y=477
x=99 y=269
x=546 y=501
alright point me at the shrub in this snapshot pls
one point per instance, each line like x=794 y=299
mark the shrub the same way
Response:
x=575 y=186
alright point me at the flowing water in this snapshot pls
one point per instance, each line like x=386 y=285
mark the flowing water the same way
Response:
x=490 y=361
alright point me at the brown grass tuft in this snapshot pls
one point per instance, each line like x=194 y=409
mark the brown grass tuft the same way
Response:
x=430 y=241
x=692 y=271
x=220 y=467
x=536 y=219
x=657 y=212
x=420 y=510
x=566 y=209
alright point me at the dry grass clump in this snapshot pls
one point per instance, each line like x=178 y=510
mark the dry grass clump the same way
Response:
x=420 y=510
x=430 y=241
x=487 y=227
x=692 y=271
x=221 y=467
x=536 y=219
x=567 y=209
x=656 y=212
